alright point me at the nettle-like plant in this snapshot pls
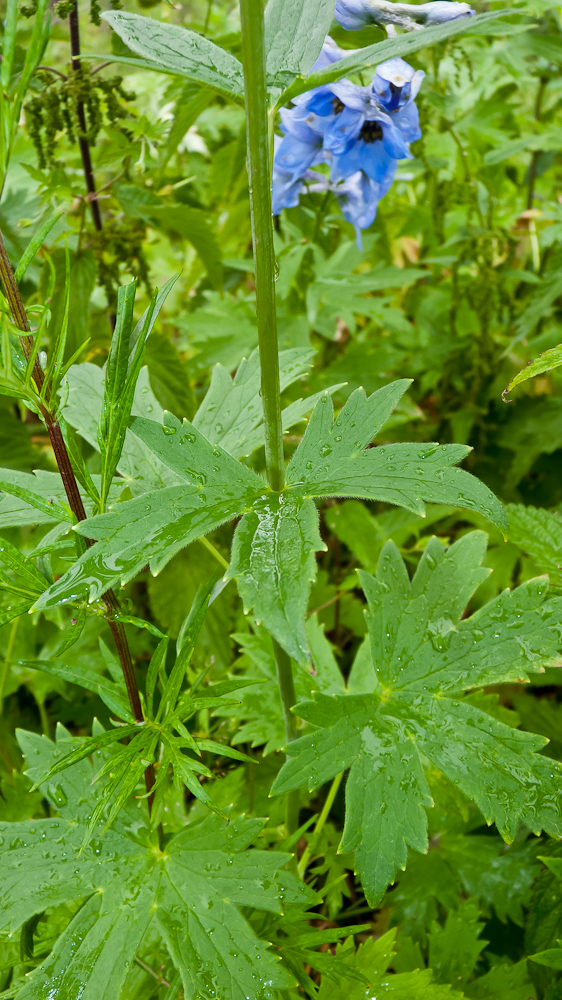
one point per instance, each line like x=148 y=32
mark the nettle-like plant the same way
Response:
x=412 y=705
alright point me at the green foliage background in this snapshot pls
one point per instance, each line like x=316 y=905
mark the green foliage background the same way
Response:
x=458 y=286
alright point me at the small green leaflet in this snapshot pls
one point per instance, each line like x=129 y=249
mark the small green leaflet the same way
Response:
x=503 y=981
x=188 y=895
x=121 y=374
x=294 y=35
x=545 y=362
x=372 y=960
x=538 y=532
x=180 y=51
x=455 y=947
x=35 y=244
x=423 y=659
x=20 y=579
x=231 y=413
x=552 y=957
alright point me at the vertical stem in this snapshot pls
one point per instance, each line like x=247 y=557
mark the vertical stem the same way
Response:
x=73 y=493
x=535 y=158
x=253 y=53
x=74 y=29
x=7 y=659
x=208 y=16
x=286 y=684
x=259 y=173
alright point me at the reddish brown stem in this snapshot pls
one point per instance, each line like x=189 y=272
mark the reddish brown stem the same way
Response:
x=74 y=28
x=74 y=498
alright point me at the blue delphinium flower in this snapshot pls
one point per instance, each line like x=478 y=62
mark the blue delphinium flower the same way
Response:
x=396 y=84
x=358 y=197
x=367 y=128
x=302 y=143
x=361 y=132
x=355 y=14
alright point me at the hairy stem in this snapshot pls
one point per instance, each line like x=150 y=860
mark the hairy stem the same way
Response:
x=74 y=498
x=286 y=684
x=74 y=29
x=259 y=173
x=253 y=53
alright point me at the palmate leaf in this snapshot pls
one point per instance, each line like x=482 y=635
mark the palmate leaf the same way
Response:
x=423 y=660
x=332 y=459
x=153 y=527
x=188 y=895
x=231 y=415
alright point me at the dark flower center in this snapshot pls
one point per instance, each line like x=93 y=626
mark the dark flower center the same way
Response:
x=338 y=106
x=370 y=132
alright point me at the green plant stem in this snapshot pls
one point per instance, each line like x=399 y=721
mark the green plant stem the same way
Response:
x=286 y=684
x=259 y=173
x=253 y=55
x=208 y=15
x=214 y=552
x=64 y=464
x=537 y=152
x=320 y=823
x=7 y=660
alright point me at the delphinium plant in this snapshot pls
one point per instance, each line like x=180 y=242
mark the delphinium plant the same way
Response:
x=158 y=861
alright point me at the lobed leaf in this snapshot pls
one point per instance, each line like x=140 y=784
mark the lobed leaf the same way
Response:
x=423 y=658
x=189 y=895
x=331 y=460
x=372 y=960
x=153 y=527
